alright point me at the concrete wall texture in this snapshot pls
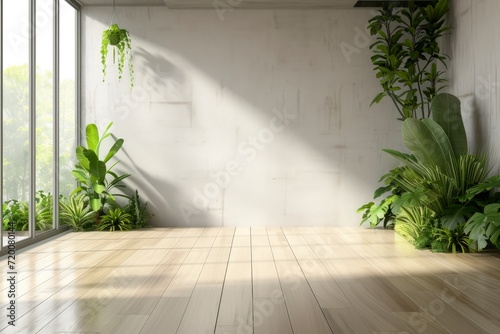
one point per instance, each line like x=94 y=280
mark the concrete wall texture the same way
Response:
x=475 y=72
x=244 y=118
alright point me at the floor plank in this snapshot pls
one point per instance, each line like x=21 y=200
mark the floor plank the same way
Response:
x=259 y=280
x=236 y=303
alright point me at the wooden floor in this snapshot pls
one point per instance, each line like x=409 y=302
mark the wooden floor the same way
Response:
x=250 y=280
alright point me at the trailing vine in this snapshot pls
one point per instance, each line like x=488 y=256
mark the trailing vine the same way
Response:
x=119 y=40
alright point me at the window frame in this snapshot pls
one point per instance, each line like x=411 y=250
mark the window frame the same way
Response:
x=56 y=229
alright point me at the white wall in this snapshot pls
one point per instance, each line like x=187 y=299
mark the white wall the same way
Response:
x=208 y=97
x=474 y=72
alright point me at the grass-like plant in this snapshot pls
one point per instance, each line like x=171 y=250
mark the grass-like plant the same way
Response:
x=445 y=240
x=76 y=212
x=116 y=219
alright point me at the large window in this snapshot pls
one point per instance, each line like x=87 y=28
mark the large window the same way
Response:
x=39 y=94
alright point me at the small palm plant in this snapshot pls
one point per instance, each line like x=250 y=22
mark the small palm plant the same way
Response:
x=119 y=40
x=76 y=212
x=116 y=219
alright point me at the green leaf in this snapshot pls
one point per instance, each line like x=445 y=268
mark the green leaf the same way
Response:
x=378 y=98
x=104 y=135
x=92 y=136
x=91 y=157
x=80 y=175
x=476 y=229
x=447 y=113
x=491 y=211
x=115 y=148
x=404 y=157
x=492 y=182
x=382 y=190
x=456 y=214
x=428 y=143
x=115 y=181
x=98 y=188
x=82 y=159
x=98 y=171
x=95 y=204
x=482 y=226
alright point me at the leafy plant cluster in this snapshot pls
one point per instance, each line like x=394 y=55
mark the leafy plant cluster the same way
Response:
x=93 y=204
x=406 y=55
x=440 y=197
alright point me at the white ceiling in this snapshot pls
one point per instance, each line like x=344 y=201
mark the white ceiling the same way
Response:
x=243 y=4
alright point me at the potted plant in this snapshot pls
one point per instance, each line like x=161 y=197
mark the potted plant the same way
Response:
x=119 y=40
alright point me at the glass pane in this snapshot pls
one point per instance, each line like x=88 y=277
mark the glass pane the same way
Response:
x=67 y=102
x=15 y=128
x=44 y=115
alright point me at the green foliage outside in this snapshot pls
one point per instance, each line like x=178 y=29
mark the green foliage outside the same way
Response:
x=15 y=128
x=81 y=206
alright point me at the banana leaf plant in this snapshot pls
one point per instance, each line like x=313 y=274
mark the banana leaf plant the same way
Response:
x=440 y=174
x=95 y=176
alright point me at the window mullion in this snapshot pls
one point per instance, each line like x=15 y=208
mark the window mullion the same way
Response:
x=32 y=117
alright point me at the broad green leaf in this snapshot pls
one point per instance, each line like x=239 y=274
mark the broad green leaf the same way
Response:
x=365 y=207
x=115 y=148
x=95 y=204
x=82 y=159
x=476 y=229
x=91 y=156
x=377 y=213
x=494 y=232
x=380 y=191
x=80 y=175
x=98 y=171
x=404 y=157
x=98 y=188
x=492 y=182
x=491 y=211
x=447 y=113
x=92 y=136
x=456 y=214
x=76 y=191
x=428 y=143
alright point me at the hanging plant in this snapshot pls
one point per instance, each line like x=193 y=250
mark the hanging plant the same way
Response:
x=119 y=40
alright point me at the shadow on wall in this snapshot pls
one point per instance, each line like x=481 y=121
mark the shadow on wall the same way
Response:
x=251 y=79
x=154 y=187
x=474 y=123
x=163 y=77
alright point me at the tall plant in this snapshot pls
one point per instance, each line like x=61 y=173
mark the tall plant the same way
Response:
x=441 y=178
x=96 y=179
x=407 y=53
